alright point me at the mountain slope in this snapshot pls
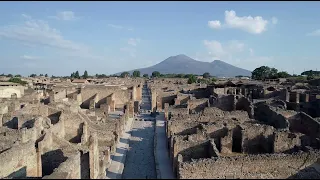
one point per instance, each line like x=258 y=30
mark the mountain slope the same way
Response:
x=186 y=65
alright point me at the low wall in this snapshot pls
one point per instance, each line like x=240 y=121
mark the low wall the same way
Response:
x=278 y=166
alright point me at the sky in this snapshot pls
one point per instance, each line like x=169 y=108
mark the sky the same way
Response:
x=59 y=38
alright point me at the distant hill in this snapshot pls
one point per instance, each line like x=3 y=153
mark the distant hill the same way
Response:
x=182 y=64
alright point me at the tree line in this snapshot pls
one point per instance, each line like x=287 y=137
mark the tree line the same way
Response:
x=265 y=72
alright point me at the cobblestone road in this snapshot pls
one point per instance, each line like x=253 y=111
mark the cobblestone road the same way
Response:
x=140 y=158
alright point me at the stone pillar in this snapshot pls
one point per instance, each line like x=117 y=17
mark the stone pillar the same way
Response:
x=84 y=137
x=39 y=162
x=93 y=156
x=153 y=101
x=130 y=109
x=307 y=97
x=166 y=111
x=139 y=92
x=297 y=97
x=113 y=106
x=224 y=90
x=245 y=92
x=107 y=155
x=287 y=96
x=136 y=106
x=134 y=93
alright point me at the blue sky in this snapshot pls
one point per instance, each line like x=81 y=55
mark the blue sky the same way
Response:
x=109 y=37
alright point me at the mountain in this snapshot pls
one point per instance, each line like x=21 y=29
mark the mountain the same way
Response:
x=182 y=64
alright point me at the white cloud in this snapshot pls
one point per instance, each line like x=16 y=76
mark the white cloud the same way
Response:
x=119 y=27
x=133 y=41
x=314 y=33
x=39 y=32
x=214 y=24
x=274 y=20
x=233 y=52
x=65 y=16
x=26 y=16
x=27 y=57
x=254 y=25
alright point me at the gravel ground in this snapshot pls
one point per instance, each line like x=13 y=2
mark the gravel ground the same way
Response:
x=140 y=158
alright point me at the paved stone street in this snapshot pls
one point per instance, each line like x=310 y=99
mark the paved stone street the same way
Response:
x=140 y=157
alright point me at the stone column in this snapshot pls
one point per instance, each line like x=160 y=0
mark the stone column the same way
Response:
x=134 y=93
x=297 y=97
x=153 y=101
x=39 y=162
x=307 y=98
x=287 y=96
x=166 y=111
x=84 y=137
x=93 y=156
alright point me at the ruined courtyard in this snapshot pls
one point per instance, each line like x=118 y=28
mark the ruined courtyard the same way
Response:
x=158 y=128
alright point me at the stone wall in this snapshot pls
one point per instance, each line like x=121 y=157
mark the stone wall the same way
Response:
x=269 y=166
x=305 y=124
x=7 y=91
x=19 y=162
x=225 y=102
x=266 y=114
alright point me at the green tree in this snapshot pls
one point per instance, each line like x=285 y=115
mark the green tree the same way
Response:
x=41 y=75
x=9 y=75
x=283 y=74
x=206 y=75
x=33 y=75
x=17 y=80
x=145 y=75
x=46 y=75
x=72 y=75
x=136 y=74
x=76 y=75
x=264 y=72
x=213 y=79
x=85 y=74
x=18 y=75
x=124 y=74
x=156 y=74
x=192 y=79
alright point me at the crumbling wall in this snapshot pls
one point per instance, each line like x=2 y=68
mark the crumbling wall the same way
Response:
x=72 y=122
x=257 y=138
x=56 y=96
x=285 y=141
x=197 y=105
x=264 y=113
x=7 y=91
x=244 y=103
x=269 y=166
x=305 y=124
x=19 y=162
x=225 y=102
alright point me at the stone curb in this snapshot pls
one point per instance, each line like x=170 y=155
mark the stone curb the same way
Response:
x=158 y=172
x=123 y=160
x=126 y=150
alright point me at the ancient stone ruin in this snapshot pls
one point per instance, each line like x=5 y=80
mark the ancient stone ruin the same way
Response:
x=228 y=129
